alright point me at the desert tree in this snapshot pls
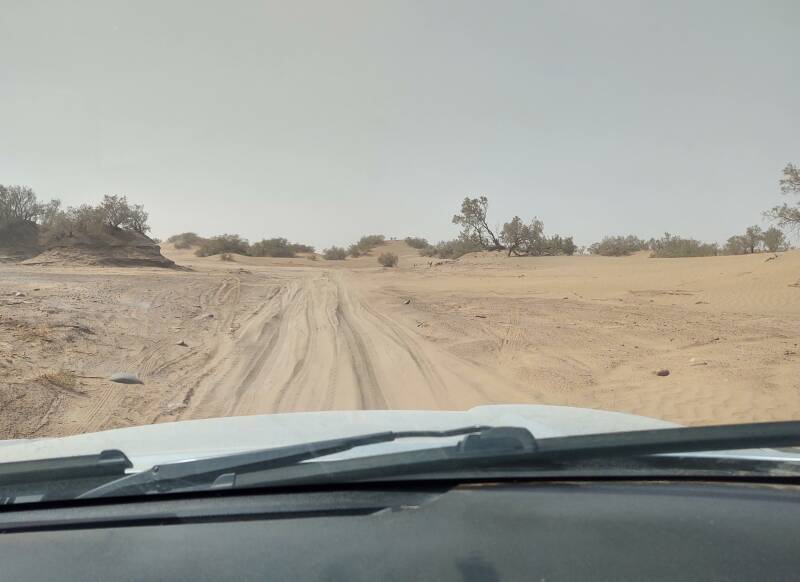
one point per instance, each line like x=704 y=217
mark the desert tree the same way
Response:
x=774 y=239
x=736 y=245
x=18 y=204
x=137 y=219
x=473 y=222
x=785 y=215
x=514 y=235
x=753 y=236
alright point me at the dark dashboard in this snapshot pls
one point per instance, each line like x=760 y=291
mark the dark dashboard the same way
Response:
x=496 y=531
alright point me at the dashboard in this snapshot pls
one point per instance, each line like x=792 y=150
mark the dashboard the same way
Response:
x=469 y=532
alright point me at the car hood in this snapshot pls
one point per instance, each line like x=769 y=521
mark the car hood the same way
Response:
x=173 y=441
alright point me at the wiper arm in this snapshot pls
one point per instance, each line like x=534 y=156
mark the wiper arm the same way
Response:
x=202 y=472
x=495 y=448
x=108 y=463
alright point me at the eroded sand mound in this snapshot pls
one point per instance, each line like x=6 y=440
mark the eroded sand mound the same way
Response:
x=113 y=247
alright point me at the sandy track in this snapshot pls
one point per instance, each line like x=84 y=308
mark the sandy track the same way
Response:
x=292 y=335
x=318 y=345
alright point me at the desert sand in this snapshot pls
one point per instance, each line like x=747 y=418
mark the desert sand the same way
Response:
x=267 y=335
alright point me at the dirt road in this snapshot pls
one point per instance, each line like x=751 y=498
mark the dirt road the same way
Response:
x=317 y=344
x=257 y=336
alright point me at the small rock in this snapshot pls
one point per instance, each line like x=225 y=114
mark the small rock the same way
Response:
x=19 y=294
x=663 y=372
x=125 y=378
x=407 y=301
x=182 y=343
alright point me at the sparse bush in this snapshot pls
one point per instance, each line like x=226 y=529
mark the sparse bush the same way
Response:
x=186 y=240
x=334 y=254
x=278 y=247
x=671 y=246
x=618 y=246
x=272 y=247
x=298 y=248
x=452 y=249
x=417 y=243
x=388 y=259
x=556 y=245
x=365 y=244
x=224 y=243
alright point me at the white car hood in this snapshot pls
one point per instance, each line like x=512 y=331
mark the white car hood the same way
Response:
x=167 y=442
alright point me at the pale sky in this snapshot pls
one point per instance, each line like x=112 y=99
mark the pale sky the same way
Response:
x=322 y=121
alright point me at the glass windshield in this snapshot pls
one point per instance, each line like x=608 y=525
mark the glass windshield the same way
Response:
x=583 y=212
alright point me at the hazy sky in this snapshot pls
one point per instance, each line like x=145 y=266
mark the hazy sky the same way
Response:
x=322 y=121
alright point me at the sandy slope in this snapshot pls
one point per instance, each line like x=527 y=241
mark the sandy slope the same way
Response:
x=294 y=334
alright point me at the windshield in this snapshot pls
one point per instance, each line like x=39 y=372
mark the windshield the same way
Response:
x=567 y=219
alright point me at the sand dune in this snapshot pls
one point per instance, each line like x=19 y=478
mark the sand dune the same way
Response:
x=268 y=335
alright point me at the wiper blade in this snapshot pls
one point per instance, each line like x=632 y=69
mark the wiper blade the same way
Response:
x=108 y=463
x=493 y=448
x=204 y=472
x=482 y=447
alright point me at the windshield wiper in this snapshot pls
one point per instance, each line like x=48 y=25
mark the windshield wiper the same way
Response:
x=206 y=472
x=483 y=447
x=108 y=463
x=510 y=447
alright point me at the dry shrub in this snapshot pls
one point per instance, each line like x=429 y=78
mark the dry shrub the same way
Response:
x=61 y=378
x=388 y=259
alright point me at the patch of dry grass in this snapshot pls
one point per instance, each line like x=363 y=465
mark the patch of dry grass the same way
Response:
x=61 y=378
x=34 y=332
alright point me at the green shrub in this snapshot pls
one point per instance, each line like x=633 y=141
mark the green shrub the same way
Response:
x=388 y=259
x=334 y=254
x=365 y=244
x=186 y=240
x=272 y=247
x=671 y=246
x=417 y=243
x=618 y=246
x=452 y=249
x=224 y=243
